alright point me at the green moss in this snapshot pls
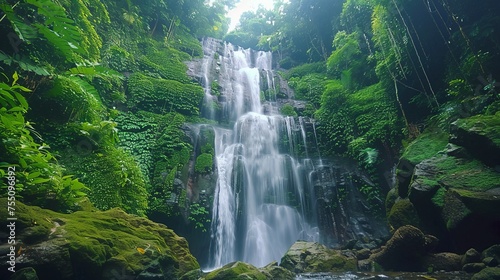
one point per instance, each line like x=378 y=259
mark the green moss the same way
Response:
x=466 y=174
x=237 y=270
x=438 y=198
x=402 y=213
x=488 y=126
x=97 y=238
x=425 y=146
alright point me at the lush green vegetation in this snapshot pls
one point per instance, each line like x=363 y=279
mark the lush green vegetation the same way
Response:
x=93 y=98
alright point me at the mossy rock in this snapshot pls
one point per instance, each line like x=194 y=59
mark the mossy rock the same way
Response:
x=27 y=273
x=236 y=271
x=402 y=213
x=97 y=244
x=276 y=272
x=311 y=257
x=488 y=273
x=480 y=135
x=425 y=146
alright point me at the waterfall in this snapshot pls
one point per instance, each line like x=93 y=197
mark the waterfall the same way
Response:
x=272 y=185
x=259 y=205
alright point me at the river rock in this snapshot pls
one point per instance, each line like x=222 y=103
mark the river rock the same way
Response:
x=276 y=272
x=489 y=273
x=471 y=256
x=490 y=261
x=442 y=262
x=403 y=251
x=311 y=257
x=96 y=245
x=492 y=252
x=27 y=273
x=236 y=271
x=473 y=267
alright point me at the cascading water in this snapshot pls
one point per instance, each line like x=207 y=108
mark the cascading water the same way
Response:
x=269 y=191
x=260 y=198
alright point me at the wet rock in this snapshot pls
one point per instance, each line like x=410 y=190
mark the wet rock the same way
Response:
x=490 y=261
x=442 y=262
x=403 y=251
x=473 y=267
x=27 y=273
x=192 y=275
x=402 y=213
x=489 y=273
x=310 y=257
x=236 y=271
x=276 y=272
x=471 y=256
x=492 y=252
x=363 y=254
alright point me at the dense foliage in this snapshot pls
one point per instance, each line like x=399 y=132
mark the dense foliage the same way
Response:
x=98 y=93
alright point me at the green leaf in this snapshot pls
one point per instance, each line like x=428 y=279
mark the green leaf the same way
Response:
x=21 y=100
x=40 y=181
x=22 y=162
x=34 y=175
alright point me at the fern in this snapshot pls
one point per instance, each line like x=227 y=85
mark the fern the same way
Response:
x=63 y=34
x=23 y=30
x=24 y=64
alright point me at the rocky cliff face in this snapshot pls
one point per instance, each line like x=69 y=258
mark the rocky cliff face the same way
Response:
x=450 y=186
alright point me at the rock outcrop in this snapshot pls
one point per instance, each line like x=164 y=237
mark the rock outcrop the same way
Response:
x=450 y=187
x=95 y=245
x=310 y=257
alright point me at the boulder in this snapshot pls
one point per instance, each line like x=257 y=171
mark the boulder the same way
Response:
x=489 y=273
x=404 y=251
x=473 y=267
x=442 y=262
x=236 y=271
x=480 y=135
x=311 y=257
x=490 y=261
x=27 y=273
x=471 y=256
x=402 y=213
x=96 y=245
x=276 y=272
x=492 y=252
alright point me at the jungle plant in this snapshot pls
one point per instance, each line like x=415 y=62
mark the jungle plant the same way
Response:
x=199 y=216
x=39 y=179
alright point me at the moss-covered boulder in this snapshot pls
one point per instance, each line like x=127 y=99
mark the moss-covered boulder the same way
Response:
x=442 y=262
x=96 y=245
x=236 y=271
x=402 y=213
x=404 y=251
x=276 y=272
x=27 y=273
x=480 y=135
x=425 y=146
x=488 y=273
x=305 y=257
